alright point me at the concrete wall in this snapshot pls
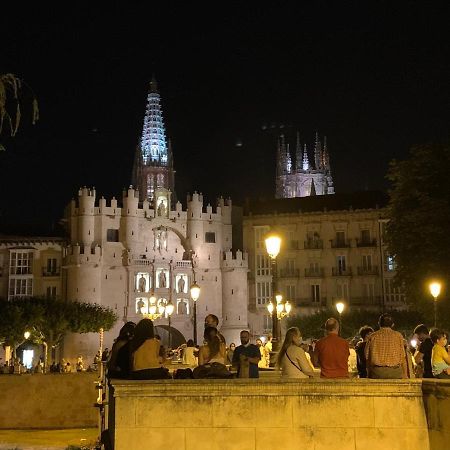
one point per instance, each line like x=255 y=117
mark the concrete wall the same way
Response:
x=270 y=414
x=436 y=398
x=48 y=401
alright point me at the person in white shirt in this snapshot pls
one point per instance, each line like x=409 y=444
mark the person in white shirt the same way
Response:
x=291 y=359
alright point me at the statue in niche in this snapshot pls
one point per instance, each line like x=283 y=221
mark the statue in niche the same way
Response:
x=142 y=284
x=162 y=279
x=182 y=307
x=160 y=240
x=162 y=209
x=139 y=305
x=181 y=284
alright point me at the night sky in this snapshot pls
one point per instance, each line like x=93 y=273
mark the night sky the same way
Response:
x=374 y=79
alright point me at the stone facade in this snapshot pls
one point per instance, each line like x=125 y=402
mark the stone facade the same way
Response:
x=332 y=249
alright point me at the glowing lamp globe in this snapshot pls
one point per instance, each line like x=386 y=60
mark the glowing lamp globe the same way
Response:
x=273 y=245
x=340 y=307
x=435 y=289
x=195 y=292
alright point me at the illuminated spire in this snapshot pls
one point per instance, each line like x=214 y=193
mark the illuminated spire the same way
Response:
x=298 y=154
x=288 y=160
x=305 y=159
x=317 y=152
x=153 y=142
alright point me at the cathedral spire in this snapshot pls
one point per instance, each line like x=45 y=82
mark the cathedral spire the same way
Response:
x=317 y=152
x=288 y=160
x=298 y=154
x=305 y=159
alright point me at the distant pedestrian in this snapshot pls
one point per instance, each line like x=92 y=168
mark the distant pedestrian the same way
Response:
x=440 y=359
x=422 y=355
x=212 y=320
x=246 y=357
x=230 y=352
x=331 y=352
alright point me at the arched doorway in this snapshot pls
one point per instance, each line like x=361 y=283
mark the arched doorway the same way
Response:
x=176 y=337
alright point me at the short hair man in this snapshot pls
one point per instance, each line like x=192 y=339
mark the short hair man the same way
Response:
x=246 y=357
x=385 y=351
x=212 y=320
x=331 y=352
x=422 y=356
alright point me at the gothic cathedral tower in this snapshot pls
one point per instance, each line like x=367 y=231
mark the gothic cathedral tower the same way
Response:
x=300 y=178
x=153 y=164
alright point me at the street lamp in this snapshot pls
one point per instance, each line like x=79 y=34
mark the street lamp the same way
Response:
x=169 y=311
x=26 y=335
x=340 y=306
x=435 y=290
x=273 y=245
x=283 y=307
x=195 y=294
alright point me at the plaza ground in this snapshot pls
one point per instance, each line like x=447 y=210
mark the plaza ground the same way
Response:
x=46 y=439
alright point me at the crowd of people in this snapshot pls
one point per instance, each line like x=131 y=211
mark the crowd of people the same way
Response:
x=137 y=353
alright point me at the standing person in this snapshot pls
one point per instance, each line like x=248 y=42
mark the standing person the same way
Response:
x=118 y=365
x=144 y=351
x=230 y=352
x=364 y=332
x=212 y=320
x=292 y=360
x=246 y=357
x=262 y=364
x=422 y=356
x=331 y=352
x=385 y=351
x=268 y=347
x=440 y=359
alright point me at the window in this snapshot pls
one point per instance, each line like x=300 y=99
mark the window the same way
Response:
x=112 y=235
x=340 y=238
x=367 y=262
x=290 y=265
x=22 y=287
x=365 y=236
x=290 y=293
x=267 y=323
x=260 y=233
x=369 y=291
x=263 y=292
x=342 y=291
x=21 y=262
x=210 y=237
x=51 y=265
x=394 y=294
x=315 y=293
x=389 y=263
x=262 y=265
x=51 y=292
x=341 y=264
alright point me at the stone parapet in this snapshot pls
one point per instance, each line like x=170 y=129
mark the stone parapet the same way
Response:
x=270 y=414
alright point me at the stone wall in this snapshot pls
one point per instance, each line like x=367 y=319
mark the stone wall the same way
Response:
x=270 y=414
x=436 y=397
x=48 y=401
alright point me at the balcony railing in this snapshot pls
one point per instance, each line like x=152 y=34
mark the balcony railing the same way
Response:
x=340 y=243
x=289 y=273
x=51 y=273
x=310 y=302
x=314 y=273
x=368 y=270
x=313 y=244
x=366 y=242
x=340 y=272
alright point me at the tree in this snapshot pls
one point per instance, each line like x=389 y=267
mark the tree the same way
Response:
x=50 y=319
x=11 y=97
x=417 y=233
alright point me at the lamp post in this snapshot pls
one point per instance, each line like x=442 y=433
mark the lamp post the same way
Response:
x=273 y=245
x=340 y=306
x=169 y=311
x=195 y=294
x=435 y=290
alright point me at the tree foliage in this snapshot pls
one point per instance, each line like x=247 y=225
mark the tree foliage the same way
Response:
x=312 y=326
x=11 y=96
x=50 y=319
x=419 y=220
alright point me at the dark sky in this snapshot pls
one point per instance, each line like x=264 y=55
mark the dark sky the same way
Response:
x=373 y=76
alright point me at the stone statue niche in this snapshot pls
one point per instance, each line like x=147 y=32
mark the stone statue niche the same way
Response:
x=162 y=278
x=181 y=283
x=160 y=240
x=182 y=306
x=143 y=282
x=141 y=306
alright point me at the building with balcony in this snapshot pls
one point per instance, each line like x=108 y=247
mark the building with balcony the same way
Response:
x=332 y=248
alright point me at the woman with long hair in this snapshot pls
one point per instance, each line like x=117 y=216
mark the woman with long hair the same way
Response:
x=212 y=350
x=119 y=362
x=291 y=359
x=146 y=363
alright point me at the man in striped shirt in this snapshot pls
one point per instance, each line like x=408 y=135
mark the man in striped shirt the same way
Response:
x=385 y=351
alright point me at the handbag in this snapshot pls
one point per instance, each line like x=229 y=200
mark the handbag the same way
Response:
x=293 y=363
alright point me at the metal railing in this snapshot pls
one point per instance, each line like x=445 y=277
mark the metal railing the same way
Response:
x=340 y=272
x=314 y=272
x=51 y=273
x=313 y=244
x=289 y=273
x=373 y=270
x=340 y=243
x=366 y=242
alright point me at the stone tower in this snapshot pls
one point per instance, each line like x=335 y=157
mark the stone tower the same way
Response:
x=153 y=164
x=304 y=178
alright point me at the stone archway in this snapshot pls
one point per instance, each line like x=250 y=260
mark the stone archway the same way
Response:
x=176 y=337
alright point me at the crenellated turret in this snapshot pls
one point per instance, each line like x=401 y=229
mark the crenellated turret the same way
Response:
x=86 y=204
x=130 y=201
